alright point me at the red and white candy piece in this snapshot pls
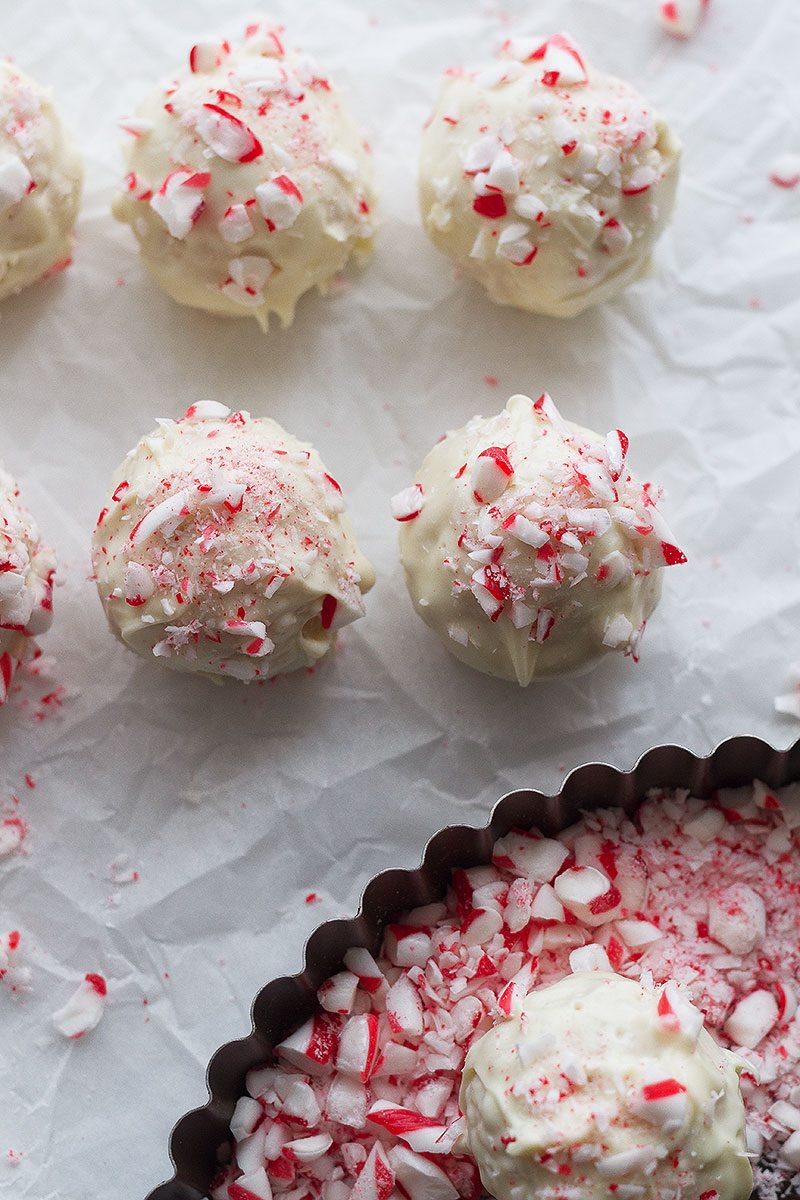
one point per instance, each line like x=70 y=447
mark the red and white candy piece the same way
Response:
x=562 y=62
x=12 y=829
x=180 y=201
x=358 y=1046
x=84 y=1009
x=208 y=54
x=203 y=409
x=515 y=245
x=662 y=1102
x=737 y=918
x=408 y=504
x=247 y=277
x=678 y=1014
x=139 y=584
x=15 y=182
x=235 y=225
x=376 y=1179
x=526 y=852
x=370 y=977
x=307 y=1150
x=404 y=1008
x=255 y=1186
x=312 y=1047
x=616 y=450
x=280 y=201
x=407 y=946
x=588 y=895
x=337 y=994
x=615 y=236
x=226 y=135
x=784 y=172
x=420 y=1178
x=524 y=530
x=682 y=18
x=492 y=472
x=480 y=926
x=347 y=1101
x=589 y=958
x=752 y=1019
x=423 y=1134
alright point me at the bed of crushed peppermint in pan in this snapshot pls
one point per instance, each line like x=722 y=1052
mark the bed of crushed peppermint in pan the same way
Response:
x=362 y=1101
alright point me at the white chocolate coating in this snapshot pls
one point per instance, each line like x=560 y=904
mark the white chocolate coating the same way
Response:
x=547 y=181
x=591 y=1092
x=248 y=182
x=224 y=549
x=41 y=174
x=26 y=583
x=540 y=562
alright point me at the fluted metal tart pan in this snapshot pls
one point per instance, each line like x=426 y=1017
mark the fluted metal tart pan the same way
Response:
x=201 y=1138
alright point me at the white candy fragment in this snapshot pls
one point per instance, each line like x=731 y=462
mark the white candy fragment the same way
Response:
x=15 y=182
x=589 y=958
x=311 y=1048
x=588 y=894
x=737 y=918
x=280 y=201
x=420 y=1178
x=404 y=1008
x=408 y=504
x=491 y=474
x=682 y=18
x=752 y=1019
x=529 y=854
x=179 y=201
x=84 y=1009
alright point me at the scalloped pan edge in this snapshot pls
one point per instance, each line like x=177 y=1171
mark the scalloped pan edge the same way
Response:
x=285 y=1003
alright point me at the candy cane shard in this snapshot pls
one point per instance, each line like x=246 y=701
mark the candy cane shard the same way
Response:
x=84 y=1010
x=408 y=504
x=682 y=18
x=179 y=201
x=226 y=135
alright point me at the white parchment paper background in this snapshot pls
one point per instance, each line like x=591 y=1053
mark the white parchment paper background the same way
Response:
x=234 y=804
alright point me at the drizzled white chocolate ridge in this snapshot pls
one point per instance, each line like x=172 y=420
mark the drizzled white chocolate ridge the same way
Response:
x=529 y=546
x=248 y=182
x=224 y=548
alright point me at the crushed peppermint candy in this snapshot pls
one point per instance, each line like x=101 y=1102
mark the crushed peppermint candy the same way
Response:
x=682 y=18
x=785 y=171
x=83 y=1011
x=369 y=1084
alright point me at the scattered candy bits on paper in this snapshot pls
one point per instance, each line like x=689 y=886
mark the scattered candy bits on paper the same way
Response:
x=84 y=1009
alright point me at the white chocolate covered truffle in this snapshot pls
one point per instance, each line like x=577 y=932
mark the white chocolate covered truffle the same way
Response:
x=603 y=1087
x=529 y=547
x=26 y=583
x=248 y=182
x=547 y=181
x=41 y=173
x=224 y=548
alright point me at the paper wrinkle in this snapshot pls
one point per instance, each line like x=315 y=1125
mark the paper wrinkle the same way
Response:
x=235 y=804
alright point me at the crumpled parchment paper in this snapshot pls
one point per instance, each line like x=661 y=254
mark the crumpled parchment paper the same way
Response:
x=234 y=805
